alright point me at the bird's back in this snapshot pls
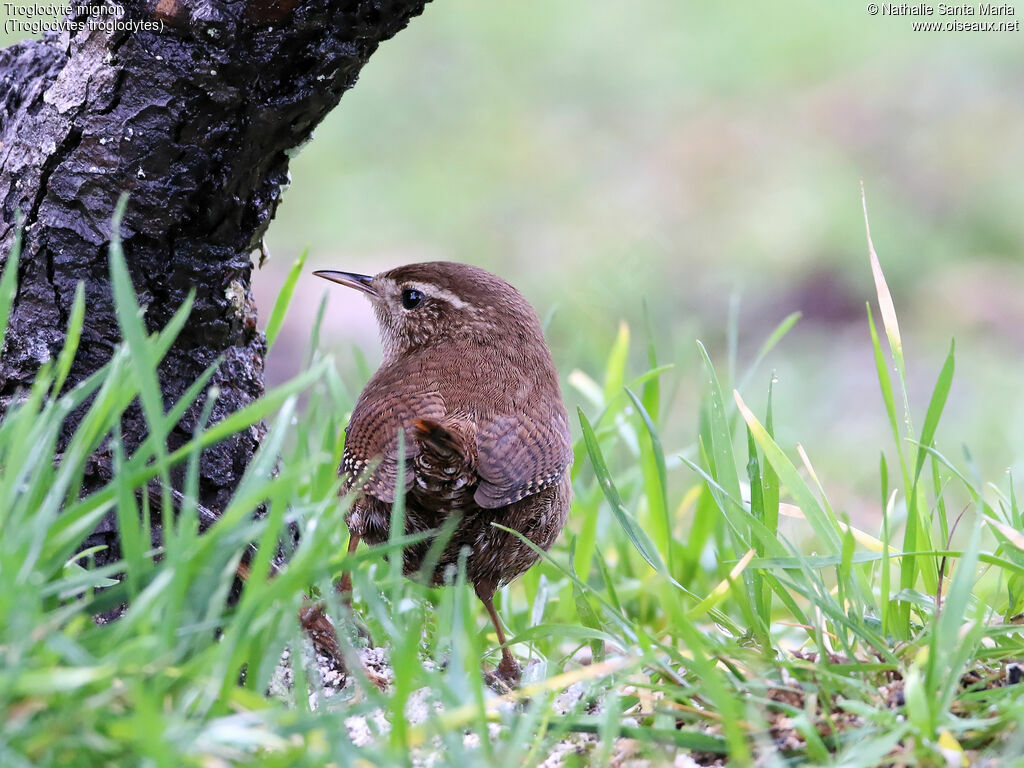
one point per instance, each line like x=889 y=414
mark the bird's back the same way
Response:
x=518 y=430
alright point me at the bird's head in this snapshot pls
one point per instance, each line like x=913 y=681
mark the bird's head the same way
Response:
x=419 y=305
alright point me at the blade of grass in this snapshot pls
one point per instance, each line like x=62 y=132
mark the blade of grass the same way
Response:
x=144 y=367
x=615 y=368
x=634 y=532
x=651 y=394
x=655 y=480
x=71 y=338
x=824 y=526
x=935 y=408
x=284 y=300
x=721 y=439
x=9 y=282
x=885 y=302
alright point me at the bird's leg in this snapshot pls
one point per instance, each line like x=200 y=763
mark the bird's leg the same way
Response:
x=508 y=670
x=316 y=623
x=344 y=588
x=344 y=585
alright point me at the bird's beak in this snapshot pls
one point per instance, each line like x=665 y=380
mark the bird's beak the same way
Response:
x=362 y=283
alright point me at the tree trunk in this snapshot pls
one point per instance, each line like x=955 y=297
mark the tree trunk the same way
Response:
x=194 y=121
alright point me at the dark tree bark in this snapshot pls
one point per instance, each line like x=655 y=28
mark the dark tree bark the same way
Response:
x=194 y=122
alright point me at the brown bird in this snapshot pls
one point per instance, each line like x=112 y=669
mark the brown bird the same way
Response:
x=469 y=380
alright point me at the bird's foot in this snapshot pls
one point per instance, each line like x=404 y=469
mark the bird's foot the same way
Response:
x=506 y=677
x=322 y=634
x=380 y=681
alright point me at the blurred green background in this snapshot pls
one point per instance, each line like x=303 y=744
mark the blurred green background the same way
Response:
x=695 y=156
x=600 y=154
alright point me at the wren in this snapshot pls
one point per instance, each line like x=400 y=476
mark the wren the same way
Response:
x=468 y=379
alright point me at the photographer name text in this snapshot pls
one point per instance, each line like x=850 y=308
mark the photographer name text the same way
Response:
x=946 y=9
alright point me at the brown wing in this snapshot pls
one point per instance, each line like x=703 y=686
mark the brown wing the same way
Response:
x=372 y=434
x=519 y=456
x=504 y=457
x=445 y=468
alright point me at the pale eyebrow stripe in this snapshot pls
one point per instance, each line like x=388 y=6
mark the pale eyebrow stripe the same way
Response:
x=432 y=290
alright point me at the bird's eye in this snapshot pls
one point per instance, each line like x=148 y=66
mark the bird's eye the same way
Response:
x=411 y=298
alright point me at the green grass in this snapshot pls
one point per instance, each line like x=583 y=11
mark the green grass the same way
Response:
x=704 y=599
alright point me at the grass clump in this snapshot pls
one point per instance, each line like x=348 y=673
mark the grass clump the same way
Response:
x=705 y=601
